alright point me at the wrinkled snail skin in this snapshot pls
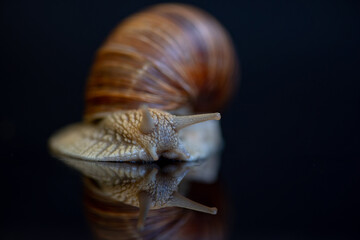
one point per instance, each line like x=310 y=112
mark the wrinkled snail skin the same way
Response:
x=132 y=135
x=147 y=122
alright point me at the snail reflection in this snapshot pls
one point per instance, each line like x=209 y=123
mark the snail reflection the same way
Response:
x=150 y=185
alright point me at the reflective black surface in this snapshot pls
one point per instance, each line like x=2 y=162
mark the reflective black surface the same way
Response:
x=291 y=161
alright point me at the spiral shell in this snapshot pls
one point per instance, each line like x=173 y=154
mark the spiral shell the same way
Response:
x=168 y=57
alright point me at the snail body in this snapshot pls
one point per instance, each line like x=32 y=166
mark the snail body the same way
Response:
x=151 y=82
x=133 y=135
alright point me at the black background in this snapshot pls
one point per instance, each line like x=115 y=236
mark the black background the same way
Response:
x=291 y=163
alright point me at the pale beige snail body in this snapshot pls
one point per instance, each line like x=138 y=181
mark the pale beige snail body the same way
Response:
x=157 y=65
x=135 y=135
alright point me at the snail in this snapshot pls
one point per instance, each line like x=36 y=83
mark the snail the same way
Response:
x=147 y=99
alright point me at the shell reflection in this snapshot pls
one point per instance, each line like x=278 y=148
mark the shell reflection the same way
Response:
x=147 y=185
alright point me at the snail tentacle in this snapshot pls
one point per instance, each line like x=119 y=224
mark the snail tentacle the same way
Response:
x=179 y=200
x=185 y=121
x=144 y=206
x=147 y=123
x=151 y=150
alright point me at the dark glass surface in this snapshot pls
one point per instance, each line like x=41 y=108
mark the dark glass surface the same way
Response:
x=292 y=156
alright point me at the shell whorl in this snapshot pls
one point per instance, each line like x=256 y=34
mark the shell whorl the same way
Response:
x=168 y=57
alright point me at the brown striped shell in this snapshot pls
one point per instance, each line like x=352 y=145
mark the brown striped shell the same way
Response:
x=168 y=57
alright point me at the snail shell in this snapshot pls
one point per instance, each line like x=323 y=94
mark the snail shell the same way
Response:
x=163 y=62
x=167 y=57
